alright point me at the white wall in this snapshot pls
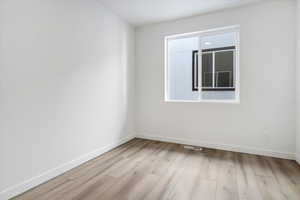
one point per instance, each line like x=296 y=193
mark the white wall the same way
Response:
x=298 y=82
x=66 y=77
x=264 y=121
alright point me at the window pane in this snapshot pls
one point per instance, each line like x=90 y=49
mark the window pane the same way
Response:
x=207 y=70
x=181 y=55
x=218 y=66
x=224 y=69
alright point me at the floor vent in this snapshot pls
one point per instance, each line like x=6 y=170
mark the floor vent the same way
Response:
x=193 y=148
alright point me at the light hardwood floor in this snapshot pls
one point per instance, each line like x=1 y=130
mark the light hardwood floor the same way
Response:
x=151 y=170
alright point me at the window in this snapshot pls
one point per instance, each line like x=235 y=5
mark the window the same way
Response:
x=203 y=66
x=217 y=69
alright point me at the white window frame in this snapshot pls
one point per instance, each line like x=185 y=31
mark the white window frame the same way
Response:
x=236 y=80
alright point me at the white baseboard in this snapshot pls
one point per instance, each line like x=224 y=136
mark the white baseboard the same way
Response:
x=46 y=176
x=227 y=147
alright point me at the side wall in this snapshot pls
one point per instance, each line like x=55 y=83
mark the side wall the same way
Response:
x=264 y=121
x=66 y=87
x=298 y=82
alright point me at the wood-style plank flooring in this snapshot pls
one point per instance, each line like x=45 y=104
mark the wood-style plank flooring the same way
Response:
x=151 y=170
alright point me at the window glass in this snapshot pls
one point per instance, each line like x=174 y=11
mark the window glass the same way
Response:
x=180 y=68
x=207 y=70
x=224 y=69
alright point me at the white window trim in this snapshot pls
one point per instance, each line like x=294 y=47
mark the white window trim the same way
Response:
x=234 y=28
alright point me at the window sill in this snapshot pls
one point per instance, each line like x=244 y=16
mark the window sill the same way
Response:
x=204 y=101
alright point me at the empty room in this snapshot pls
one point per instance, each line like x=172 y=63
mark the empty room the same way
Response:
x=149 y=99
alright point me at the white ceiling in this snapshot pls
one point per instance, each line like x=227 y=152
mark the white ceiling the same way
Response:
x=140 y=12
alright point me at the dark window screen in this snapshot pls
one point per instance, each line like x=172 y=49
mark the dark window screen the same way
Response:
x=207 y=67
x=217 y=73
x=224 y=69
